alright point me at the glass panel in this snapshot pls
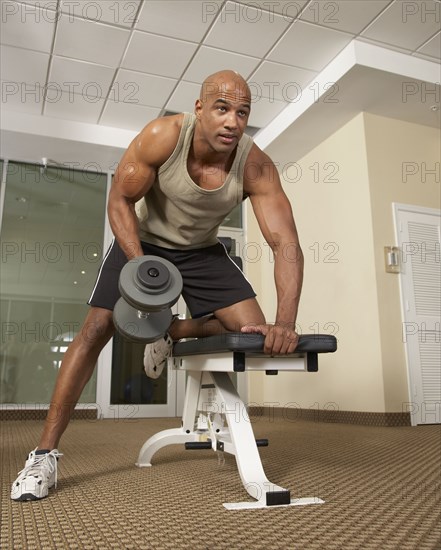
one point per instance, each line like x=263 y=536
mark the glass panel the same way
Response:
x=234 y=218
x=51 y=241
x=130 y=385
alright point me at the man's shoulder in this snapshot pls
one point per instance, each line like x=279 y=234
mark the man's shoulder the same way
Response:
x=259 y=170
x=159 y=138
x=165 y=126
x=257 y=157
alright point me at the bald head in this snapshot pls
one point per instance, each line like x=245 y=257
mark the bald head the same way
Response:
x=222 y=111
x=225 y=82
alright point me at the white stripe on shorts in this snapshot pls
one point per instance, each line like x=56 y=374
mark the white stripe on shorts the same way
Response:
x=101 y=268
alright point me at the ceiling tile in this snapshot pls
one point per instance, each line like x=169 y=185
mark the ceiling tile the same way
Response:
x=142 y=89
x=128 y=116
x=19 y=65
x=90 y=41
x=17 y=98
x=344 y=15
x=432 y=47
x=406 y=24
x=210 y=60
x=81 y=77
x=184 y=97
x=289 y=9
x=116 y=12
x=158 y=55
x=275 y=81
x=185 y=19
x=264 y=110
x=27 y=26
x=77 y=107
x=323 y=45
x=246 y=30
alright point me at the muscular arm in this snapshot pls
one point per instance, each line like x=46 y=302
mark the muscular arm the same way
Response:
x=274 y=215
x=135 y=175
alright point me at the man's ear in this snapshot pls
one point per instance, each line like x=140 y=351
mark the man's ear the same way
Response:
x=198 y=108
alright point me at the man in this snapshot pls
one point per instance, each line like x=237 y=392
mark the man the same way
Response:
x=187 y=172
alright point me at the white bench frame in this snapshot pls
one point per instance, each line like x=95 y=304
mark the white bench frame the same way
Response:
x=215 y=413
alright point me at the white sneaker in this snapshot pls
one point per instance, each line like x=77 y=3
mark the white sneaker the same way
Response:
x=155 y=356
x=37 y=477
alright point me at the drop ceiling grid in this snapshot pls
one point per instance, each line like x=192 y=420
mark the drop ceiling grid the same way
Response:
x=125 y=71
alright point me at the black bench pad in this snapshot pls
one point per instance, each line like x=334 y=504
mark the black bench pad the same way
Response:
x=251 y=344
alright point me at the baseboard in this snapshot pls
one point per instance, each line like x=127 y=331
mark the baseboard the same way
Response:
x=333 y=416
x=19 y=413
x=288 y=413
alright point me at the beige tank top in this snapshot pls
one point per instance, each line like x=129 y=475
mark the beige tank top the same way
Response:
x=176 y=212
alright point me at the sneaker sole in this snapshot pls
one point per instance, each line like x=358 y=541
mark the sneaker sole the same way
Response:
x=27 y=496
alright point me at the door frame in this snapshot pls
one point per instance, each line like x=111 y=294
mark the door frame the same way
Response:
x=415 y=390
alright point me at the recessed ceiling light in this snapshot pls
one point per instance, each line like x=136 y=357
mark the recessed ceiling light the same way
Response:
x=21 y=199
x=434 y=108
x=75 y=282
x=83 y=273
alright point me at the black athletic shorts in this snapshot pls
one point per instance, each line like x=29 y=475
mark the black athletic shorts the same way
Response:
x=211 y=280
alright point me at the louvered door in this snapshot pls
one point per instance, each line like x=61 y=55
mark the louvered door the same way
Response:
x=418 y=232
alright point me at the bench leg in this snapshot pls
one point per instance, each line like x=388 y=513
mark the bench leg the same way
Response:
x=159 y=440
x=175 y=435
x=237 y=439
x=246 y=452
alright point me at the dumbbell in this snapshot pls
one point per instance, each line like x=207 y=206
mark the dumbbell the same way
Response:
x=149 y=287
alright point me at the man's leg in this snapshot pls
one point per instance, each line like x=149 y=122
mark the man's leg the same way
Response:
x=76 y=369
x=228 y=319
x=40 y=471
x=246 y=312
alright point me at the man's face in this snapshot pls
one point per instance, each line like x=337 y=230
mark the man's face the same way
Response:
x=223 y=112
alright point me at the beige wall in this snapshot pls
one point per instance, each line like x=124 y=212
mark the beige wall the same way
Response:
x=400 y=156
x=341 y=193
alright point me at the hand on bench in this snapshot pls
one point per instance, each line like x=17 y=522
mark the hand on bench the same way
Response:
x=279 y=340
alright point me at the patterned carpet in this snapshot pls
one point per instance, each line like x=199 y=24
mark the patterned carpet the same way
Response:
x=381 y=486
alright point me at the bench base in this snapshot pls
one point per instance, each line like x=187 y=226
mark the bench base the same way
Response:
x=258 y=504
x=215 y=417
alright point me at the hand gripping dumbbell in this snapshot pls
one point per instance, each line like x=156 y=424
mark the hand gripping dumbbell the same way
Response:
x=149 y=287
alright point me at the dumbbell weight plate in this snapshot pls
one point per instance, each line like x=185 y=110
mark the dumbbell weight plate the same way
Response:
x=150 y=293
x=131 y=326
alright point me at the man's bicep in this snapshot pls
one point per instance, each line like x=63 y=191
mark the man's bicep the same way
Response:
x=270 y=204
x=134 y=175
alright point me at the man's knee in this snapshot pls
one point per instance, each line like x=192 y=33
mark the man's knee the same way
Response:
x=98 y=327
x=240 y=314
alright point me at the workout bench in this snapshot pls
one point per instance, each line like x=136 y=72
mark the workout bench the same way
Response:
x=215 y=417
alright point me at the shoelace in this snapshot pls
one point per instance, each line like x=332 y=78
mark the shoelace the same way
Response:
x=38 y=461
x=157 y=351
